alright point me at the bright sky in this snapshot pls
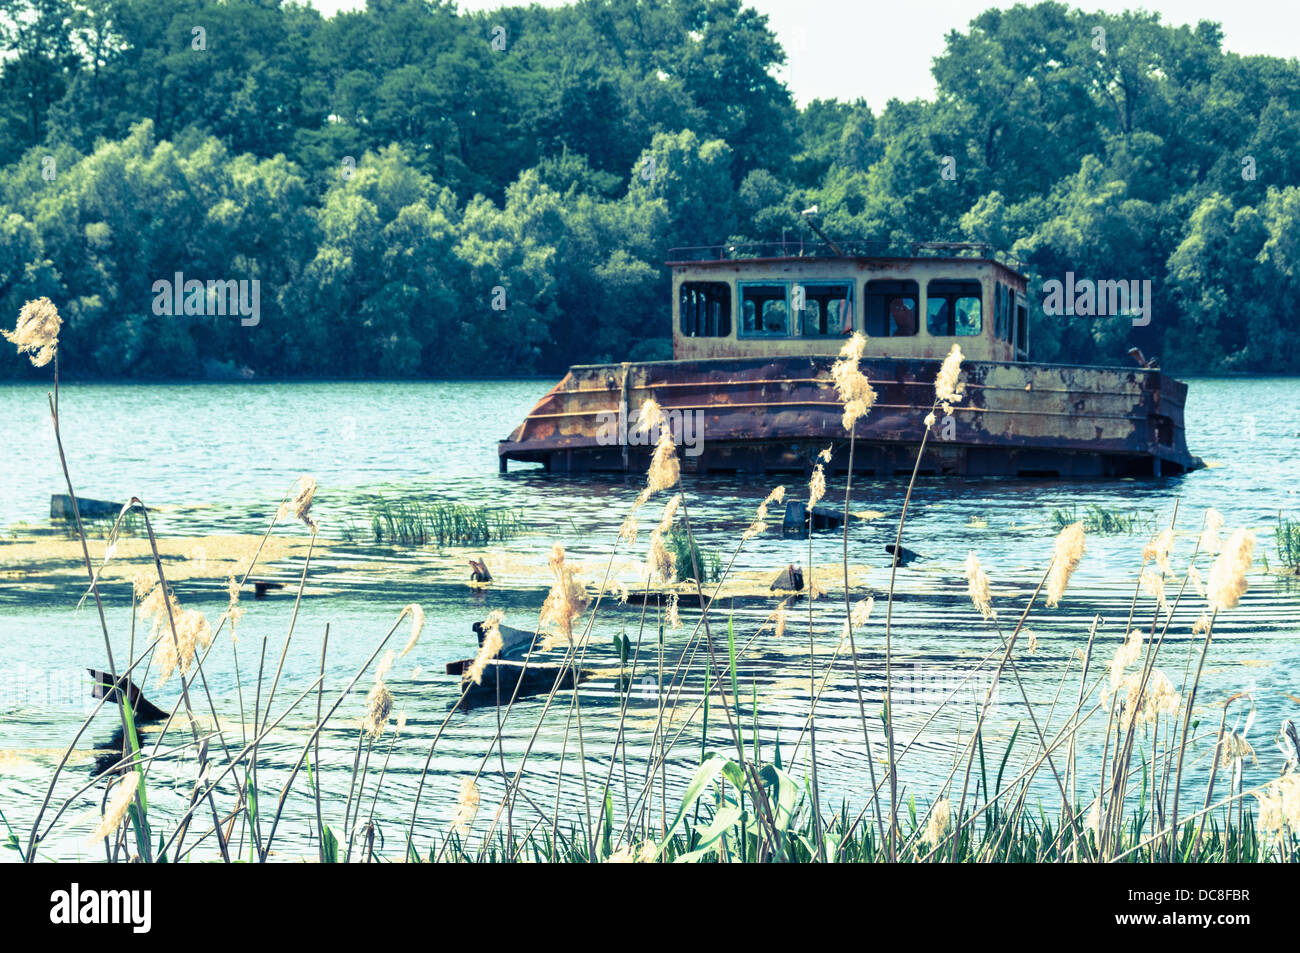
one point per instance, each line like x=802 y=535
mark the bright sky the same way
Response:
x=876 y=50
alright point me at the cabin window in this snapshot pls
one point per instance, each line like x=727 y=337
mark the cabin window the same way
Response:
x=827 y=308
x=764 y=311
x=953 y=308
x=889 y=308
x=1001 y=312
x=1022 y=330
x=705 y=309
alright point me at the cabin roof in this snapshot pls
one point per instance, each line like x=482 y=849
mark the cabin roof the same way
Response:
x=764 y=254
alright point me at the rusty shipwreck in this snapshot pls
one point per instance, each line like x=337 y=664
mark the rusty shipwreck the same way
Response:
x=756 y=330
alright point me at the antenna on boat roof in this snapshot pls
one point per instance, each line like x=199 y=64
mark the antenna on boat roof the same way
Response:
x=806 y=216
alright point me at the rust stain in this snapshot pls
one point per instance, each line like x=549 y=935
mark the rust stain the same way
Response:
x=766 y=413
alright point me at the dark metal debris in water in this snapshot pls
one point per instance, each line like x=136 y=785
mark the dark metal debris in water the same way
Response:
x=511 y=674
x=903 y=556
x=105 y=687
x=61 y=507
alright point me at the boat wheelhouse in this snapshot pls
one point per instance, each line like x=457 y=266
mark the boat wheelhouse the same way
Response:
x=757 y=328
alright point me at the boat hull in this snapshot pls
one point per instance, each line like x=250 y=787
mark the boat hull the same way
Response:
x=775 y=414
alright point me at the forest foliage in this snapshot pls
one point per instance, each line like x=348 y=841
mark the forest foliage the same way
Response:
x=423 y=192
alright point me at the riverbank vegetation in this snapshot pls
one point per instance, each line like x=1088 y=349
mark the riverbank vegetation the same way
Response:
x=747 y=793
x=422 y=192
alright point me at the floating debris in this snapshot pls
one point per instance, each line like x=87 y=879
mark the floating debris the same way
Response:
x=903 y=556
x=790 y=579
x=61 y=507
x=105 y=687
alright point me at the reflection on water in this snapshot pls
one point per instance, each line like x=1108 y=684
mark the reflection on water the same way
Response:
x=215 y=459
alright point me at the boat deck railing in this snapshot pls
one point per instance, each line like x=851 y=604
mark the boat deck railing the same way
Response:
x=852 y=248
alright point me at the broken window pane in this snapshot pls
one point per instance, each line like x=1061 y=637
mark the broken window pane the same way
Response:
x=705 y=308
x=764 y=310
x=889 y=308
x=953 y=308
x=827 y=309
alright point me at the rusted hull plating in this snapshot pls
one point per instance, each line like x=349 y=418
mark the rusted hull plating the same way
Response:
x=775 y=414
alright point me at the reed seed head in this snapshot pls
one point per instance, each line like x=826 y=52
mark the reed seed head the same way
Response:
x=466 y=807
x=977 y=587
x=816 y=487
x=671 y=617
x=119 y=802
x=1235 y=748
x=1144 y=706
x=298 y=504
x=1153 y=584
x=851 y=385
x=665 y=468
x=627 y=854
x=858 y=616
x=143 y=583
x=1210 y=534
x=234 y=611
x=670 y=513
x=565 y=602
x=1227 y=582
x=1093 y=821
x=628 y=529
x=947 y=385
x=651 y=416
x=379 y=703
x=1279 y=806
x=760 y=516
x=1069 y=550
x=937 y=825
x=1158 y=549
x=385 y=665
x=37 y=331
x=491 y=647
x=659 y=561
x=417 y=625
x=1128 y=653
x=192 y=633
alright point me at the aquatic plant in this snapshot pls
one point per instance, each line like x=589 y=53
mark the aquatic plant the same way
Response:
x=1286 y=535
x=415 y=523
x=1099 y=520
x=685 y=554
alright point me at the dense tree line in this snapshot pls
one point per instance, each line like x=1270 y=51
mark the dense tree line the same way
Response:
x=424 y=192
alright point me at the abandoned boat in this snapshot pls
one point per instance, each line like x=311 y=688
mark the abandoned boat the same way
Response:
x=513 y=672
x=756 y=330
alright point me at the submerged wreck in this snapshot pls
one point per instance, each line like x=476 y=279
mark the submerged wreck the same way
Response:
x=513 y=672
x=756 y=330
